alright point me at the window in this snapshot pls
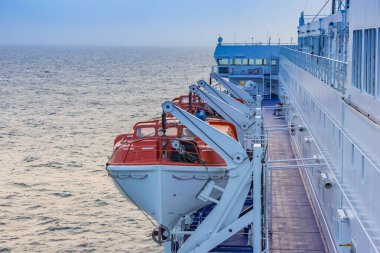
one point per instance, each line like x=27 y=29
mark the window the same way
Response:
x=145 y=131
x=259 y=62
x=223 y=61
x=245 y=61
x=170 y=132
x=251 y=61
x=357 y=59
x=369 y=61
x=187 y=133
x=274 y=62
x=223 y=70
x=236 y=61
x=184 y=100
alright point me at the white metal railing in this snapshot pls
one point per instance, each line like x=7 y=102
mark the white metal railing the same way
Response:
x=268 y=43
x=330 y=71
x=358 y=217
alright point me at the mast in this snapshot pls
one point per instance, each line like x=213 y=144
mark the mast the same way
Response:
x=333 y=7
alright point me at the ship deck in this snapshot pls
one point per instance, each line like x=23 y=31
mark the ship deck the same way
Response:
x=293 y=224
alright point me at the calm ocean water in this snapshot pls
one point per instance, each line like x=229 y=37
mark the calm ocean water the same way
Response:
x=60 y=109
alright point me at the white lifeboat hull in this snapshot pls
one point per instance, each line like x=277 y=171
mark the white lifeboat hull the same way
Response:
x=166 y=192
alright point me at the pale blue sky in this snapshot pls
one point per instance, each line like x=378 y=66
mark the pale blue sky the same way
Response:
x=149 y=22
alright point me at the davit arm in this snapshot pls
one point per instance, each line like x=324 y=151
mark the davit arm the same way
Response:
x=226 y=98
x=224 y=220
x=229 y=113
x=234 y=90
x=231 y=151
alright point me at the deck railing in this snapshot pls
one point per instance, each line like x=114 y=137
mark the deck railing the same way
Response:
x=330 y=71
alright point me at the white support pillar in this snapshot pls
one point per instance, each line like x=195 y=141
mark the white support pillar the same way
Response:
x=257 y=226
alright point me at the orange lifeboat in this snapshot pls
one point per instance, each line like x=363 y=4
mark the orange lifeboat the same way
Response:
x=163 y=168
x=195 y=104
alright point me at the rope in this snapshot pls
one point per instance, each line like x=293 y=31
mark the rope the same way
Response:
x=321 y=10
x=344 y=6
x=189 y=156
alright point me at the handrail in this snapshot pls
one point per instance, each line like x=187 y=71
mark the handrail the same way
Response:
x=337 y=125
x=333 y=175
x=159 y=141
x=318 y=56
x=256 y=44
x=330 y=71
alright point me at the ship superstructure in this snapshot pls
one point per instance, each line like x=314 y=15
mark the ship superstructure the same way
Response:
x=302 y=172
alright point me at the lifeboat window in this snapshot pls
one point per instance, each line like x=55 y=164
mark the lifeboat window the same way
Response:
x=145 y=132
x=223 y=61
x=187 y=133
x=170 y=132
x=184 y=100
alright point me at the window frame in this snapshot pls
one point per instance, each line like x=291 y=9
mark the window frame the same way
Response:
x=221 y=59
x=357 y=59
x=369 y=66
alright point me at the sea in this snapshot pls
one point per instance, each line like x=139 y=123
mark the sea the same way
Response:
x=60 y=109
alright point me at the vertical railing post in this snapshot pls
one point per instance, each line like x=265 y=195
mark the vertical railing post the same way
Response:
x=325 y=71
x=334 y=81
x=257 y=207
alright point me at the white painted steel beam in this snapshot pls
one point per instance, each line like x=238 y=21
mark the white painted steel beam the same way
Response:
x=234 y=89
x=230 y=150
x=226 y=98
x=229 y=113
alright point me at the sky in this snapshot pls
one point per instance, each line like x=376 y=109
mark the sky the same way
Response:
x=150 y=22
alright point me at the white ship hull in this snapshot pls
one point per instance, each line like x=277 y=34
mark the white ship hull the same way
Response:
x=164 y=192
